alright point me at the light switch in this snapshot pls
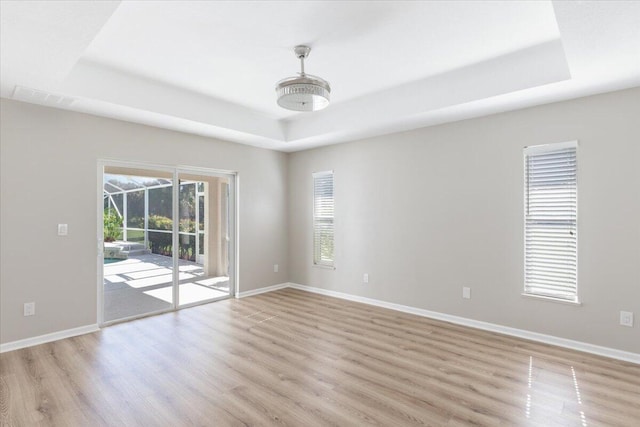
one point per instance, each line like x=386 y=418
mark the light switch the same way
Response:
x=62 y=229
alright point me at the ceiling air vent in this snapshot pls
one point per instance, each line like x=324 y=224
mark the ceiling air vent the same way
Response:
x=41 y=97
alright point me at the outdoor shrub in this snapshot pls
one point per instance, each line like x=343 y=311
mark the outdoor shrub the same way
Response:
x=136 y=222
x=158 y=222
x=187 y=225
x=161 y=244
x=112 y=226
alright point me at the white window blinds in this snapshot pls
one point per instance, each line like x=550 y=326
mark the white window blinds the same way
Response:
x=323 y=218
x=551 y=206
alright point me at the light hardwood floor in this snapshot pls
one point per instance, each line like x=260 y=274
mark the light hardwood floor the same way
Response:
x=299 y=359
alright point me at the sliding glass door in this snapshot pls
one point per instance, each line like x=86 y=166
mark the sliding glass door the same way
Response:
x=138 y=234
x=204 y=238
x=167 y=239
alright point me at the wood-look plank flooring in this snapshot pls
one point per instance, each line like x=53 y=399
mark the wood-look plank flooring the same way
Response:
x=291 y=358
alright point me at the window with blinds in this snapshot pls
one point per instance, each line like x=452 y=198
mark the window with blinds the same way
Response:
x=551 y=207
x=323 y=218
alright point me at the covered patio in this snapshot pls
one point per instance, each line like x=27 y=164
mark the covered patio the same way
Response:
x=143 y=284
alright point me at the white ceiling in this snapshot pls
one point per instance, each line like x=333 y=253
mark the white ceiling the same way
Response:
x=210 y=68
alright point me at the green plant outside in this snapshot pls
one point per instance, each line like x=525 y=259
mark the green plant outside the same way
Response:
x=158 y=242
x=161 y=243
x=112 y=226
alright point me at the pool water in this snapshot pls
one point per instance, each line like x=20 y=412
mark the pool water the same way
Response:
x=112 y=260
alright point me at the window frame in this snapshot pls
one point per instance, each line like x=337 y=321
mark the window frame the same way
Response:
x=317 y=248
x=539 y=150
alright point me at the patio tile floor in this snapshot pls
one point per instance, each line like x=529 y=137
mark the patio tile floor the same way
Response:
x=142 y=284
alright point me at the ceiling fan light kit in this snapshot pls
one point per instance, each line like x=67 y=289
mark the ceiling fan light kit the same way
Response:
x=303 y=92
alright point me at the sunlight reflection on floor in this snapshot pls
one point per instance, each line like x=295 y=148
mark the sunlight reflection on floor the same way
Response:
x=583 y=418
x=550 y=395
x=189 y=293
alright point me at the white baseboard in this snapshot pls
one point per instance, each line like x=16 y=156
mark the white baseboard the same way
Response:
x=54 y=336
x=262 y=290
x=492 y=327
x=68 y=333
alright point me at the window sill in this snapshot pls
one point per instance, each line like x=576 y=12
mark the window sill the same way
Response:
x=326 y=267
x=552 y=299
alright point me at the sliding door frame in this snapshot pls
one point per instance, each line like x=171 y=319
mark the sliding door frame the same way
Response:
x=232 y=215
x=175 y=171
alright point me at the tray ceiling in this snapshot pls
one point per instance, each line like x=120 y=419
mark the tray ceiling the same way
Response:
x=210 y=67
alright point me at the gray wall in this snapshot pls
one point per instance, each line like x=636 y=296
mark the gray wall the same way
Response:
x=48 y=176
x=423 y=212
x=429 y=211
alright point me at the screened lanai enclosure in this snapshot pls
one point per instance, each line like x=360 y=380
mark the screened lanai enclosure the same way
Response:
x=155 y=260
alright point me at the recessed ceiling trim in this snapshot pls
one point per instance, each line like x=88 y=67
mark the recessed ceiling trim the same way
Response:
x=509 y=73
x=120 y=88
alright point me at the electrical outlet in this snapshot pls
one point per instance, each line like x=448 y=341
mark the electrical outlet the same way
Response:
x=466 y=293
x=29 y=308
x=626 y=318
x=365 y=278
x=275 y=268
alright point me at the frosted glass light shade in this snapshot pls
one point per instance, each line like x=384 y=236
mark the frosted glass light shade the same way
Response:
x=303 y=93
